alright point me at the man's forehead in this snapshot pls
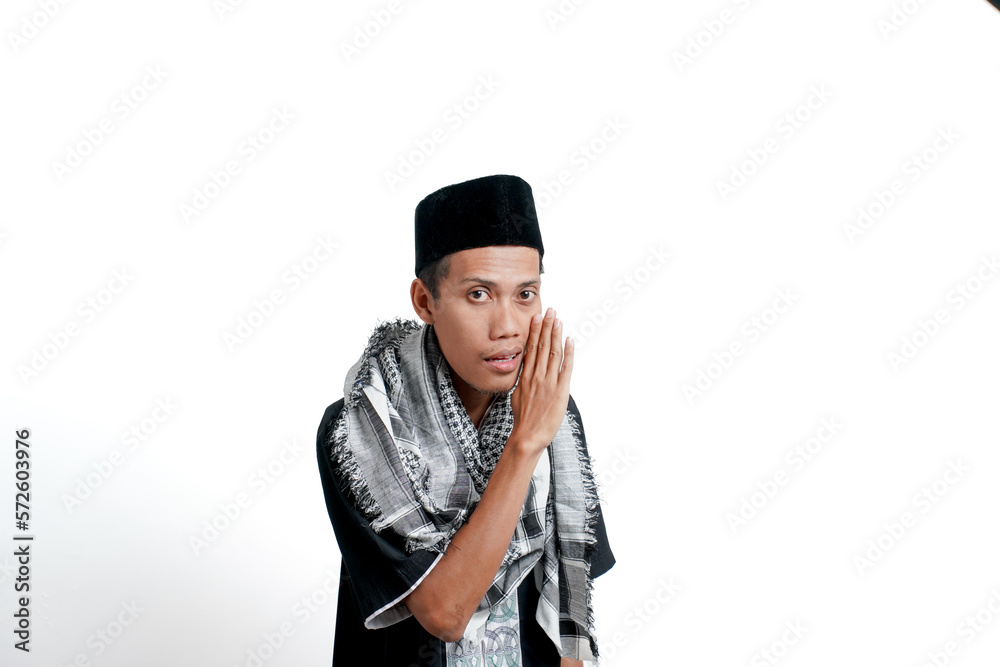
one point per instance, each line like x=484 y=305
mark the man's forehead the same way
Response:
x=496 y=264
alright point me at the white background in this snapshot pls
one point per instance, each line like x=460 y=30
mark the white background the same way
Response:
x=673 y=466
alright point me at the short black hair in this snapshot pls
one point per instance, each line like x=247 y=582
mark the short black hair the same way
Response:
x=432 y=274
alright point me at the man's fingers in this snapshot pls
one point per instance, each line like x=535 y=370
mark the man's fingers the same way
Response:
x=555 y=350
x=567 y=365
x=544 y=343
x=531 y=349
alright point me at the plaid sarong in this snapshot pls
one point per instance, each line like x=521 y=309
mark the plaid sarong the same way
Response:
x=407 y=452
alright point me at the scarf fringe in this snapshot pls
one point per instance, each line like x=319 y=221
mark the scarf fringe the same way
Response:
x=591 y=502
x=351 y=478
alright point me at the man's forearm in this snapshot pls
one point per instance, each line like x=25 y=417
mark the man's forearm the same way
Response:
x=445 y=600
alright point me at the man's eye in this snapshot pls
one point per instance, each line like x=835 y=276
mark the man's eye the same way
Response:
x=473 y=293
x=527 y=294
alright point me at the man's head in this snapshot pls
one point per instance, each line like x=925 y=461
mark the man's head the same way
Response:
x=478 y=266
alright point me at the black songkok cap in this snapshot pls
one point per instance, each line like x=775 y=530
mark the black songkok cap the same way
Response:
x=492 y=210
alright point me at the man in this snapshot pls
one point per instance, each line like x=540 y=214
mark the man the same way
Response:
x=455 y=468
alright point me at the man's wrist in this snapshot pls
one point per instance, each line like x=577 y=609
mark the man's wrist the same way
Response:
x=524 y=448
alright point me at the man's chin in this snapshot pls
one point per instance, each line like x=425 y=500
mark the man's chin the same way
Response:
x=497 y=389
x=496 y=392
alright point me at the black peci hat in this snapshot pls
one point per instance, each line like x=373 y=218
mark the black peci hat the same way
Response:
x=487 y=211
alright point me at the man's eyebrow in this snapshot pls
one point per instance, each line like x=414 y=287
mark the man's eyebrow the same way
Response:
x=491 y=283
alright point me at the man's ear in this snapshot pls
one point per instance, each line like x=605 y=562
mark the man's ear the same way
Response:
x=422 y=301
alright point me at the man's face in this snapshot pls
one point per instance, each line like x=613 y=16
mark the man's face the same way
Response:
x=483 y=311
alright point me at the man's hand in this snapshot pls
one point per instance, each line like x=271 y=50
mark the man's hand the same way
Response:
x=541 y=397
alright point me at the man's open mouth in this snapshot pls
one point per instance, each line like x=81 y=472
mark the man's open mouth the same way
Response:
x=505 y=362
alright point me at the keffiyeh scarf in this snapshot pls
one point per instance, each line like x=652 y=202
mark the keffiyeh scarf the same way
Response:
x=407 y=451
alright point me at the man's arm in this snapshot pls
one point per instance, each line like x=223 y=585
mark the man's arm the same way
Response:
x=446 y=599
x=444 y=602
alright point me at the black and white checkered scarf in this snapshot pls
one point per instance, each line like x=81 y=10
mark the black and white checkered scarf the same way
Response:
x=408 y=453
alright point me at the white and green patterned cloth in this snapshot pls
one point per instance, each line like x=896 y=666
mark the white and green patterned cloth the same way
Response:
x=500 y=645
